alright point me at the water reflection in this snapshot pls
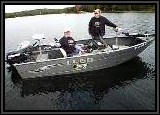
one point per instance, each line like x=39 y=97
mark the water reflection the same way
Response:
x=84 y=90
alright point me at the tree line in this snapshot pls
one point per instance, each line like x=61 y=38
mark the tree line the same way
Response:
x=83 y=8
x=111 y=8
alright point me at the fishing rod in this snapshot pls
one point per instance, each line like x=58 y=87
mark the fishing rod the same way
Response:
x=146 y=34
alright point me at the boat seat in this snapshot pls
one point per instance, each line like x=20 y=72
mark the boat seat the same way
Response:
x=57 y=53
x=42 y=57
x=63 y=52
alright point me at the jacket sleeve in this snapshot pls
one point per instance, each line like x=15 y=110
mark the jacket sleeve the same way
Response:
x=74 y=41
x=62 y=42
x=109 y=23
x=90 y=27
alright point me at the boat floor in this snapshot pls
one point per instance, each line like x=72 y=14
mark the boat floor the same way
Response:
x=108 y=49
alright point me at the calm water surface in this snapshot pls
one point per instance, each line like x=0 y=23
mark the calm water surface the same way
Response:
x=129 y=86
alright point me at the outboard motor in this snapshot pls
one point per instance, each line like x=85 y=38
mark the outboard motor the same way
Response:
x=13 y=58
x=19 y=55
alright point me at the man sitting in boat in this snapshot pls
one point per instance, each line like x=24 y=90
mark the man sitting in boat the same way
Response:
x=97 y=27
x=69 y=44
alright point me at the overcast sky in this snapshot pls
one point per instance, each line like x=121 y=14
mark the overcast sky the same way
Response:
x=18 y=8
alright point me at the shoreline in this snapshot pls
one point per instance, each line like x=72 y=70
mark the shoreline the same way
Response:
x=83 y=12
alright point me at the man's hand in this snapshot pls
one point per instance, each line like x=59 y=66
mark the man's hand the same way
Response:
x=117 y=29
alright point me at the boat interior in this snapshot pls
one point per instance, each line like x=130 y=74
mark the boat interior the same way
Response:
x=120 y=41
x=46 y=52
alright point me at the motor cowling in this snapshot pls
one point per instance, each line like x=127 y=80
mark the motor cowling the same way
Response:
x=16 y=58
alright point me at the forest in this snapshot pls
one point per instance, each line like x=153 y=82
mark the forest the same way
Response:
x=84 y=8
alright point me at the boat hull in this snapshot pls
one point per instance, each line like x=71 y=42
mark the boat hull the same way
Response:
x=83 y=63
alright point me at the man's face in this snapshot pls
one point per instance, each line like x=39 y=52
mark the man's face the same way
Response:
x=67 y=34
x=96 y=14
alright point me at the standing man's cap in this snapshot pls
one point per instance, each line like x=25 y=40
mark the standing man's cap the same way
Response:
x=97 y=10
x=67 y=30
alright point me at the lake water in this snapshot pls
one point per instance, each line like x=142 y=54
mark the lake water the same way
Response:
x=129 y=86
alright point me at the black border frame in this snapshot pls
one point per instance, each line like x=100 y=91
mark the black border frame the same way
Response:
x=3 y=111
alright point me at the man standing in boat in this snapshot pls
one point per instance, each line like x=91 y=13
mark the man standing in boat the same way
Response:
x=97 y=27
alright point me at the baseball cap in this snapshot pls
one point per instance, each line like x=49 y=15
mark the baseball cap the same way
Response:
x=67 y=30
x=97 y=10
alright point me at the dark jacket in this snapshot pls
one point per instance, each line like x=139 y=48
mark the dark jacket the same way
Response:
x=68 y=44
x=97 y=26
